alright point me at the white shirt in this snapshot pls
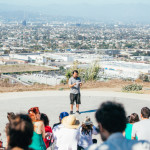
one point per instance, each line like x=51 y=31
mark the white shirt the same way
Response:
x=65 y=139
x=86 y=140
x=118 y=142
x=141 y=129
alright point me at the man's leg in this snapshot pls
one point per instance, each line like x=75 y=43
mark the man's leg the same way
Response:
x=71 y=103
x=71 y=107
x=78 y=102
x=77 y=107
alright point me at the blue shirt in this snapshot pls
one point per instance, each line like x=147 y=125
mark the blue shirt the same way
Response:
x=117 y=141
x=128 y=131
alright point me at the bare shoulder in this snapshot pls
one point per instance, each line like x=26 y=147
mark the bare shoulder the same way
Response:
x=39 y=123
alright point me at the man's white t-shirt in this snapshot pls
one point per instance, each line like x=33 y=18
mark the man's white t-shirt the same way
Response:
x=66 y=139
x=141 y=129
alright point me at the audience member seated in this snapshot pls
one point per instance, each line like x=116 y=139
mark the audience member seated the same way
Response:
x=111 y=118
x=86 y=130
x=19 y=133
x=48 y=131
x=61 y=116
x=141 y=129
x=128 y=119
x=128 y=131
x=11 y=116
x=67 y=136
x=39 y=130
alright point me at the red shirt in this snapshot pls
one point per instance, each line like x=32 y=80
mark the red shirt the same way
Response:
x=48 y=133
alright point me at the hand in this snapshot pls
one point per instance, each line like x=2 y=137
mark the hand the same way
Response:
x=80 y=83
x=74 y=84
x=48 y=135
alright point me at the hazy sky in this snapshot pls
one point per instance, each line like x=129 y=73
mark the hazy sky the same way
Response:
x=102 y=9
x=93 y=2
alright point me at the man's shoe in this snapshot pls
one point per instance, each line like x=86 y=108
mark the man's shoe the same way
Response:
x=78 y=112
x=71 y=112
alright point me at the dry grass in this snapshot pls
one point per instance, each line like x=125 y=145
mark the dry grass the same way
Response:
x=6 y=87
x=116 y=85
x=112 y=85
x=21 y=68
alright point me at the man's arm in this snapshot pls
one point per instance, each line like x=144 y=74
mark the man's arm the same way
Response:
x=72 y=85
x=133 y=138
x=80 y=83
x=133 y=134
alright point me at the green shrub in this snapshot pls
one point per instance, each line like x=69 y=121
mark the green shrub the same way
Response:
x=144 y=78
x=68 y=74
x=92 y=72
x=86 y=74
x=63 y=81
x=132 y=87
x=61 y=89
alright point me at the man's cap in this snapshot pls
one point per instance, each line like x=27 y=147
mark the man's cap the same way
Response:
x=63 y=114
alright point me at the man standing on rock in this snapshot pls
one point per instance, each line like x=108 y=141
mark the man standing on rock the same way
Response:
x=75 y=84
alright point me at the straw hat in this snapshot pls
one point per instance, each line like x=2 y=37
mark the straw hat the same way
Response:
x=87 y=121
x=70 y=122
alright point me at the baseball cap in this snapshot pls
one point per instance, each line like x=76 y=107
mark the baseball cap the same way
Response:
x=63 y=114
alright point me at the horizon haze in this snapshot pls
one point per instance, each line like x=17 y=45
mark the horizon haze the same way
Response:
x=99 y=10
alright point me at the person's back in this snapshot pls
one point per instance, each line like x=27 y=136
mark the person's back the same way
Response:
x=67 y=139
x=66 y=135
x=55 y=131
x=142 y=130
x=19 y=133
x=128 y=131
x=118 y=142
x=38 y=127
x=39 y=130
x=133 y=118
x=37 y=140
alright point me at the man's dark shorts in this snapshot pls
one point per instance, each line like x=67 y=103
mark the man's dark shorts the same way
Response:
x=75 y=98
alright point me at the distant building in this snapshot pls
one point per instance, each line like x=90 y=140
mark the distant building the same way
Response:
x=78 y=25
x=24 y=23
x=108 y=52
x=140 y=58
